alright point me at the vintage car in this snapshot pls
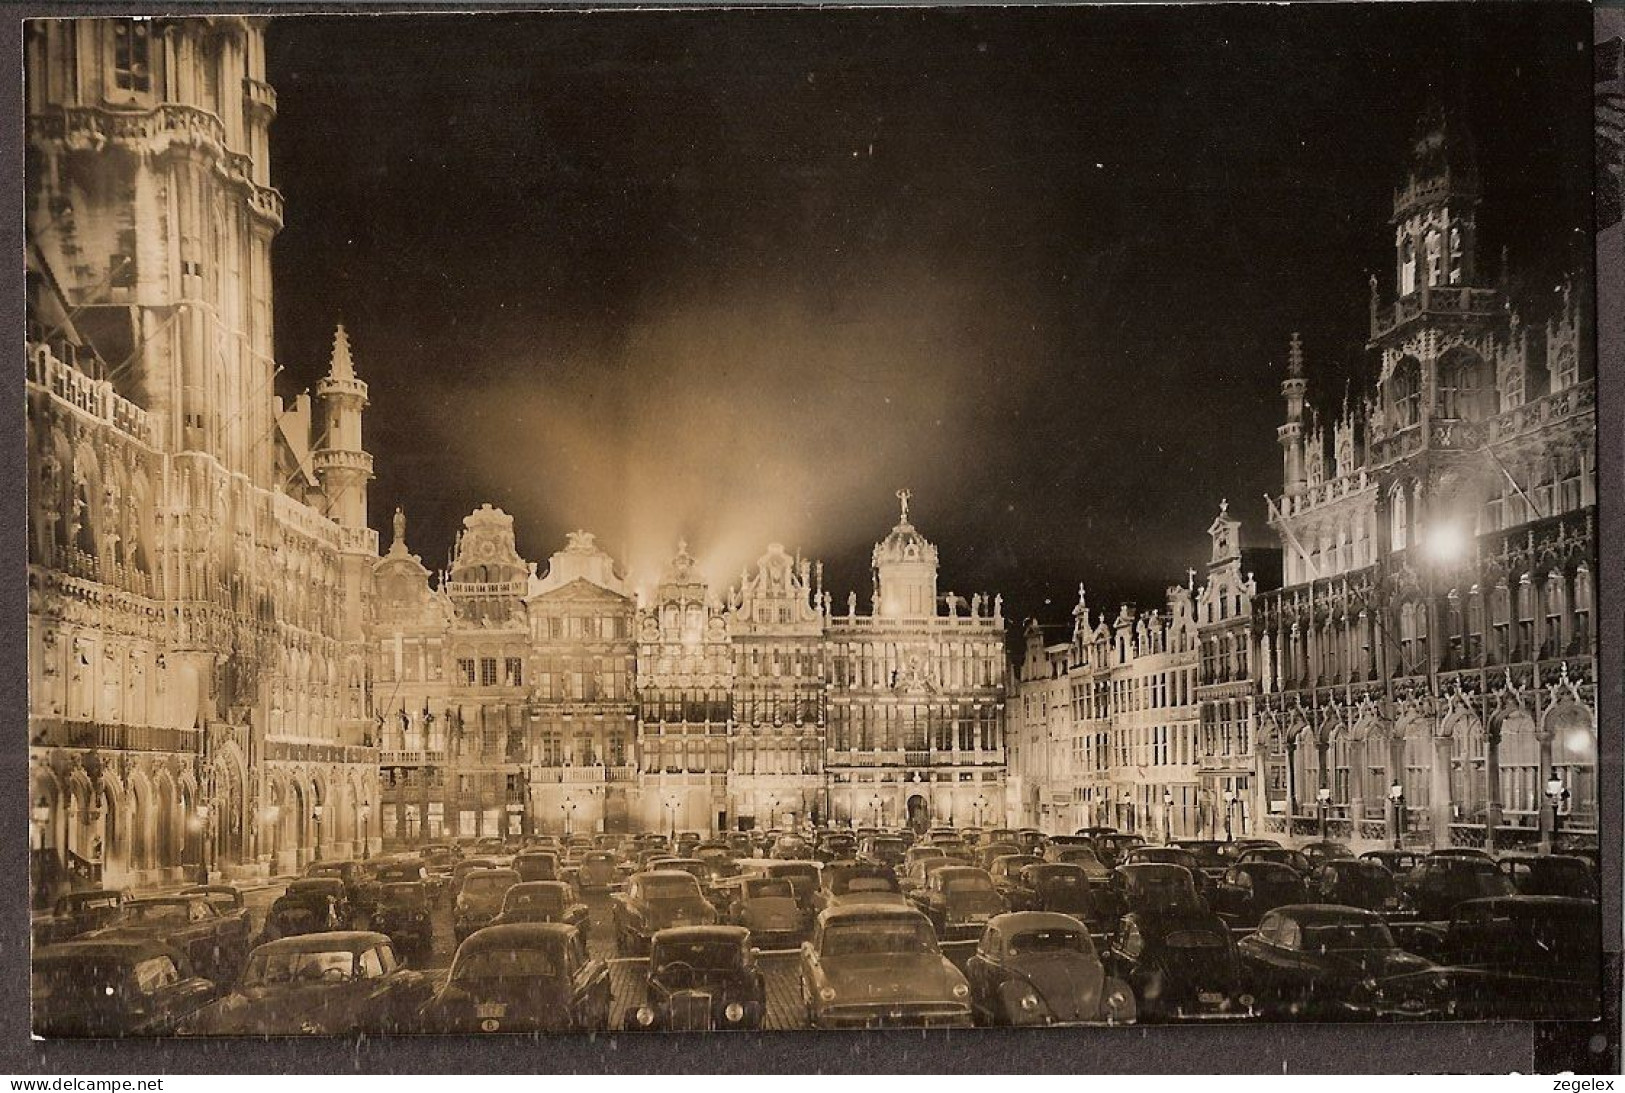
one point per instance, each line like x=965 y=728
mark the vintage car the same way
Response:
x=463 y=868
x=401 y=870
x=768 y=908
x=1529 y=957
x=214 y=946
x=802 y=875
x=1006 y=870
x=985 y=856
x=360 y=888
x=920 y=870
x=959 y=849
x=305 y=912
x=480 y=899
x=521 y=977
x=836 y=846
x=1249 y=890
x=1549 y=875
x=1176 y=954
x=1283 y=854
x=685 y=843
x=404 y=914
x=1439 y=882
x=1354 y=882
x=1031 y=841
x=329 y=984
x=1209 y=854
x=533 y=865
x=701 y=978
x=114 y=987
x=1063 y=889
x=1397 y=862
x=228 y=901
x=656 y=901
x=1111 y=846
x=887 y=850
x=599 y=869
x=879 y=967
x=857 y=882
x=78 y=913
x=330 y=887
x=491 y=846
x=1083 y=856
x=959 y=900
x=1171 y=855
x=791 y=848
x=543 y=901
x=720 y=862
x=1040 y=968
x=1306 y=960
x=1323 y=851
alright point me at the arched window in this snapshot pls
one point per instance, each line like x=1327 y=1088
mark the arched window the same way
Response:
x=1398 y=519
x=1465 y=391
x=1405 y=392
x=1435 y=259
x=1407 y=266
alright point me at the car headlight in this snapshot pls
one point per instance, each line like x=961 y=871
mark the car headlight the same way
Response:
x=734 y=1012
x=1246 y=1000
x=961 y=990
x=1029 y=1001
x=826 y=994
x=645 y=1016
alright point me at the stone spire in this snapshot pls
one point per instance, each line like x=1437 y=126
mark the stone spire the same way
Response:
x=340 y=365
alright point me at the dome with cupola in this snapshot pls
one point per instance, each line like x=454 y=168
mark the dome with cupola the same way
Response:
x=905 y=565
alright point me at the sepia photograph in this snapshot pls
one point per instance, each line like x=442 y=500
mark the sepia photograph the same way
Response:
x=628 y=521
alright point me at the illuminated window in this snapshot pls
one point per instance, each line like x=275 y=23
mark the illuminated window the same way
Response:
x=132 y=55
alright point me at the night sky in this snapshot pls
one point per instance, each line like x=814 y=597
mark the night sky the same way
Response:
x=738 y=276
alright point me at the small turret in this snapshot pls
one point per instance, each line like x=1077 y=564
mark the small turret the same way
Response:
x=1290 y=434
x=341 y=464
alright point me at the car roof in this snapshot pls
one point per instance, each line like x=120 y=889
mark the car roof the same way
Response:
x=354 y=940
x=472 y=873
x=134 y=948
x=541 y=885
x=867 y=912
x=701 y=933
x=1318 y=914
x=1016 y=922
x=516 y=934
x=1531 y=904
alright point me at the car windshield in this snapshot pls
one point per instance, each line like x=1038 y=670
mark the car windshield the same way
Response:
x=886 y=846
x=489 y=884
x=598 y=857
x=1161 y=889
x=671 y=886
x=91 y=903
x=850 y=885
x=708 y=953
x=1050 y=941
x=279 y=967
x=506 y=964
x=399 y=873
x=1078 y=855
x=879 y=937
x=544 y=899
x=1347 y=937
x=146 y=913
x=767 y=889
x=967 y=882
x=404 y=895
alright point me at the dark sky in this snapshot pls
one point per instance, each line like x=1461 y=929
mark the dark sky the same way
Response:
x=741 y=275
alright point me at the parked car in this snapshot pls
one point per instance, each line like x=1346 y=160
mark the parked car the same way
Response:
x=1440 y=882
x=599 y=870
x=1063 y=888
x=1083 y=856
x=657 y=901
x=480 y=899
x=228 y=902
x=1324 y=851
x=802 y=875
x=1006 y=872
x=328 y=984
x=535 y=865
x=1307 y=960
x=836 y=846
x=462 y=869
x=1525 y=957
x=702 y=978
x=986 y=855
x=1355 y=882
x=213 y=945
x=114 y=987
x=1111 y=846
x=521 y=977
x=959 y=900
x=1171 y=855
x=543 y=901
x=330 y=887
x=77 y=913
x=1174 y=952
x=1550 y=875
x=306 y=912
x=1397 y=862
x=791 y=848
x=846 y=883
x=887 y=850
x=1040 y=968
x=1282 y=854
x=920 y=870
x=767 y=907
x=403 y=915
x=839 y=984
x=360 y=887
x=1253 y=888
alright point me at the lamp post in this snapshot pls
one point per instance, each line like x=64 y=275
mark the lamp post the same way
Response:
x=569 y=810
x=316 y=815
x=772 y=812
x=1558 y=795
x=1229 y=807
x=981 y=808
x=366 y=830
x=202 y=817
x=671 y=807
x=1396 y=797
x=874 y=804
x=1167 y=816
x=1324 y=796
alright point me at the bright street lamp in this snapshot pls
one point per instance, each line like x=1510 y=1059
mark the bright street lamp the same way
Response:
x=1444 y=543
x=1396 y=795
x=1167 y=816
x=1229 y=807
